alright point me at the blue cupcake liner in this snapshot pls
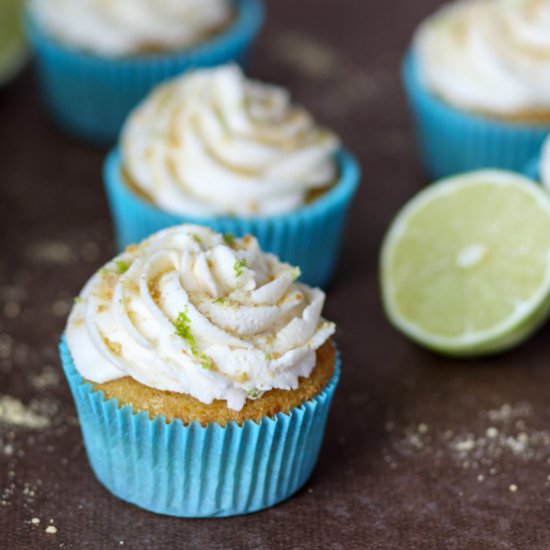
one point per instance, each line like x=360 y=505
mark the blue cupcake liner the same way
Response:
x=453 y=141
x=194 y=471
x=532 y=169
x=310 y=237
x=90 y=96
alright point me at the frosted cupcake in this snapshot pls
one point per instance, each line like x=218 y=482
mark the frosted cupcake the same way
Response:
x=97 y=60
x=202 y=373
x=215 y=148
x=477 y=77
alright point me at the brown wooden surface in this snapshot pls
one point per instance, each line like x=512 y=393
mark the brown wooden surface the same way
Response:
x=420 y=451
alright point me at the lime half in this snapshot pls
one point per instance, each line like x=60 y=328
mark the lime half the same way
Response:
x=466 y=263
x=13 y=49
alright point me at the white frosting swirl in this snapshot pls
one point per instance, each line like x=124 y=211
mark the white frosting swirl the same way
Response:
x=214 y=143
x=188 y=312
x=115 y=28
x=490 y=56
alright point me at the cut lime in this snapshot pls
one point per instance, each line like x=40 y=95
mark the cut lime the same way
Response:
x=13 y=49
x=466 y=263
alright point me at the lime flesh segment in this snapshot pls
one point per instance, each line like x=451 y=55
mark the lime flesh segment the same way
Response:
x=466 y=263
x=13 y=49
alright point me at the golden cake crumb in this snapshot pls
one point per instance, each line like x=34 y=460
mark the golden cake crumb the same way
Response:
x=174 y=405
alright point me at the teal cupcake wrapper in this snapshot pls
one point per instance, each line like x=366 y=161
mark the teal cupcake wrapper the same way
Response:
x=532 y=169
x=90 y=96
x=195 y=471
x=453 y=141
x=310 y=237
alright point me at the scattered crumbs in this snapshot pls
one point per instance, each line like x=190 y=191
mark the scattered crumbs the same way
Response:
x=11 y=310
x=13 y=412
x=49 y=377
x=306 y=54
x=507 y=412
x=121 y=542
x=513 y=488
x=50 y=252
x=61 y=307
x=51 y=529
x=501 y=436
x=465 y=444
x=6 y=346
x=35 y=521
x=12 y=293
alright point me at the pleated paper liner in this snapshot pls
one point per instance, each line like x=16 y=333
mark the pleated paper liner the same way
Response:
x=452 y=141
x=195 y=471
x=90 y=96
x=310 y=237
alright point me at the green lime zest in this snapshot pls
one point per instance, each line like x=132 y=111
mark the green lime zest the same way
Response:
x=183 y=329
x=196 y=238
x=121 y=267
x=240 y=266
x=78 y=300
x=253 y=393
x=218 y=301
x=229 y=238
x=296 y=273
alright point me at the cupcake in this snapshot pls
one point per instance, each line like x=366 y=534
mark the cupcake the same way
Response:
x=202 y=373
x=96 y=60
x=477 y=82
x=215 y=148
x=539 y=167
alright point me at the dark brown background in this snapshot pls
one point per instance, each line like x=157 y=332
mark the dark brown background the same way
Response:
x=407 y=462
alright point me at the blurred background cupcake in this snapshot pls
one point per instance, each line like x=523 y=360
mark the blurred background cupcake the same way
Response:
x=215 y=148
x=13 y=48
x=97 y=59
x=202 y=374
x=477 y=78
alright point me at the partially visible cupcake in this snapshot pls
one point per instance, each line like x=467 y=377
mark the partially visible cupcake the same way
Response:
x=215 y=148
x=539 y=167
x=478 y=81
x=202 y=374
x=96 y=60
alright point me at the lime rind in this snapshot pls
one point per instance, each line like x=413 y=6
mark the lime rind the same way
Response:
x=13 y=46
x=515 y=328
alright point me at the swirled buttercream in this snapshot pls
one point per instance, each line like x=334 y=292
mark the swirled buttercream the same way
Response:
x=212 y=142
x=488 y=56
x=116 y=28
x=193 y=312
